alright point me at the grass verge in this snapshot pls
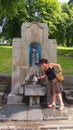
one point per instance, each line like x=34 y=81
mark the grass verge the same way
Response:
x=65 y=58
x=5 y=59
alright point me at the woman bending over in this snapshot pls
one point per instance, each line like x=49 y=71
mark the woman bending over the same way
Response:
x=54 y=86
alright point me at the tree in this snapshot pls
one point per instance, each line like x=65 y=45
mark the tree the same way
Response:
x=59 y=18
x=9 y=8
x=70 y=2
x=11 y=12
x=67 y=11
x=27 y=11
x=48 y=12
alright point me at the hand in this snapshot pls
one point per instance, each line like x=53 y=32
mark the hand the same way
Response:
x=61 y=72
x=38 y=78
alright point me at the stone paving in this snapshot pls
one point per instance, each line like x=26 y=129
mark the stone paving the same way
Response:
x=14 y=117
x=21 y=112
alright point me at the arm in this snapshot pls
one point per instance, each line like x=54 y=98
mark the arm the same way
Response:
x=42 y=76
x=56 y=65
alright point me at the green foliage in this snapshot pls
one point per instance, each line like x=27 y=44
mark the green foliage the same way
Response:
x=9 y=8
x=70 y=2
x=66 y=28
x=38 y=10
x=59 y=18
x=12 y=16
x=48 y=12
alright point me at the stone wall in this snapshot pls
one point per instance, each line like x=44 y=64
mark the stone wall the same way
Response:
x=5 y=83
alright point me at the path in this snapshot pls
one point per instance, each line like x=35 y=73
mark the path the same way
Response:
x=52 y=119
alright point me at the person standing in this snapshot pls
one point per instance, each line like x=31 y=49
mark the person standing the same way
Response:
x=54 y=86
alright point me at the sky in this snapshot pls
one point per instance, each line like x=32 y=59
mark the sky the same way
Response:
x=63 y=1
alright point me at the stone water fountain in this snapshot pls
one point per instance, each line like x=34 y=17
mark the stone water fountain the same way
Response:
x=27 y=50
x=34 y=88
x=26 y=53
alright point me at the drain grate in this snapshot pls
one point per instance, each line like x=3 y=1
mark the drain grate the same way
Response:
x=56 y=127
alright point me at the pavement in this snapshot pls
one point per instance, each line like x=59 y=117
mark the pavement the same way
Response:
x=22 y=112
x=23 y=117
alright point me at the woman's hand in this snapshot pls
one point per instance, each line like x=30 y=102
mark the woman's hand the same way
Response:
x=60 y=72
x=38 y=78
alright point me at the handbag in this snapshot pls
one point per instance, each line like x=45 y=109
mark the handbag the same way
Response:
x=59 y=77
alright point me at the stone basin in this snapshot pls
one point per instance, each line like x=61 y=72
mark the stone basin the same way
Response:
x=35 y=90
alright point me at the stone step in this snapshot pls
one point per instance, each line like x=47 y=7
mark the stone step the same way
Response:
x=68 y=87
x=46 y=127
x=68 y=96
x=69 y=99
x=56 y=127
x=15 y=128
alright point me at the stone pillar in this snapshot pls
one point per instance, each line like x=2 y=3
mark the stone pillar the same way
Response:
x=14 y=96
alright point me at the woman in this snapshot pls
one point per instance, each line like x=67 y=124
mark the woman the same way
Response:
x=55 y=88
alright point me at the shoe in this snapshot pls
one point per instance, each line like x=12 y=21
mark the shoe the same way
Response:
x=61 y=107
x=51 y=106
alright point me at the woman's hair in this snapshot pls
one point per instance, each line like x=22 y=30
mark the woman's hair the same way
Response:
x=43 y=60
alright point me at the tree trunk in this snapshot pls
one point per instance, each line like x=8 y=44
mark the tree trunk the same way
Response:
x=67 y=41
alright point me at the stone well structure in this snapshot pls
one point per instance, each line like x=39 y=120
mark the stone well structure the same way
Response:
x=27 y=51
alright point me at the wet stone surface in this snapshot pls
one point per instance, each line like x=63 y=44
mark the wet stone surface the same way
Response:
x=21 y=112
x=57 y=127
x=14 y=112
x=15 y=128
x=54 y=114
x=15 y=118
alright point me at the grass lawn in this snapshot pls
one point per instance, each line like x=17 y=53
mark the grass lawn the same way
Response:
x=65 y=58
x=5 y=59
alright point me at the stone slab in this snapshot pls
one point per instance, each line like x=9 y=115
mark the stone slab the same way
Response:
x=38 y=90
x=56 y=127
x=44 y=127
x=35 y=113
x=21 y=112
x=15 y=128
x=14 y=112
x=54 y=114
